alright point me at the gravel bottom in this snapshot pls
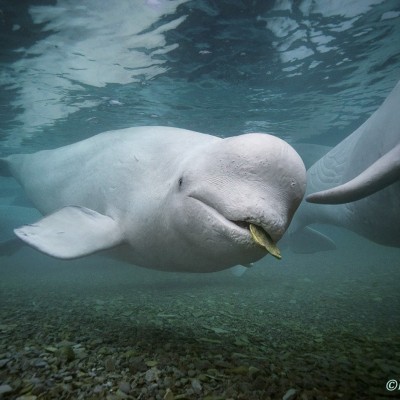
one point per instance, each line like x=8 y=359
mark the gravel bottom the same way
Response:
x=127 y=333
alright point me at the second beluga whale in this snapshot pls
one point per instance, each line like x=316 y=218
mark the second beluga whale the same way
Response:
x=356 y=185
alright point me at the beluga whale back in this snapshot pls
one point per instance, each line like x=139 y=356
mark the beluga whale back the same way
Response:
x=162 y=198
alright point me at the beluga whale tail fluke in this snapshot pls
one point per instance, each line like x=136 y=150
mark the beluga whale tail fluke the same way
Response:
x=356 y=185
x=162 y=198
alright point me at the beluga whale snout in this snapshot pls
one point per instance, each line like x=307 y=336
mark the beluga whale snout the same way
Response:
x=163 y=198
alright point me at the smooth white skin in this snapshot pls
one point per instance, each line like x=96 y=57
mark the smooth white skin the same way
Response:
x=174 y=193
x=377 y=216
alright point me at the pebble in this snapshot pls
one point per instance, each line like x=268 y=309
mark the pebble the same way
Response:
x=98 y=389
x=40 y=363
x=124 y=387
x=4 y=362
x=51 y=349
x=168 y=395
x=203 y=364
x=253 y=370
x=240 y=370
x=121 y=394
x=136 y=364
x=196 y=385
x=109 y=364
x=290 y=394
x=38 y=388
x=151 y=375
x=5 y=389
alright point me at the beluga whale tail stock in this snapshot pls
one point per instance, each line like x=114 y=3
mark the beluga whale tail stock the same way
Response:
x=356 y=185
x=162 y=198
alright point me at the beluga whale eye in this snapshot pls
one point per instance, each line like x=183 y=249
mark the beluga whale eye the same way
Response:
x=180 y=182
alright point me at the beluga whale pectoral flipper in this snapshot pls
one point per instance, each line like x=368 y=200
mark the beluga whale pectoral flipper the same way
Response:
x=162 y=198
x=382 y=173
x=72 y=232
x=357 y=184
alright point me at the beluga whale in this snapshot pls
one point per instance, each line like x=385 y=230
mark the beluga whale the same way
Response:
x=356 y=185
x=162 y=197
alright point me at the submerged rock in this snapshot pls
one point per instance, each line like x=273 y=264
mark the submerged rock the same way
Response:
x=4 y=362
x=124 y=387
x=289 y=395
x=169 y=395
x=5 y=389
x=66 y=353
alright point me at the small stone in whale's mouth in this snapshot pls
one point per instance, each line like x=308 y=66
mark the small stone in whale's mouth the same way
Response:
x=261 y=237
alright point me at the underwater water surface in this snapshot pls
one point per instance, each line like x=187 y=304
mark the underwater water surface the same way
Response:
x=309 y=326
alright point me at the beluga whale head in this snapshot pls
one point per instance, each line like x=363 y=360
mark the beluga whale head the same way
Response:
x=233 y=199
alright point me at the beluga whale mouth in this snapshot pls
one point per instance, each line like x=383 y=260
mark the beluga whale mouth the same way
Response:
x=257 y=233
x=261 y=237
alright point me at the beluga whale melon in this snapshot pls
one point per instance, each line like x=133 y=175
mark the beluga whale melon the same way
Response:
x=162 y=197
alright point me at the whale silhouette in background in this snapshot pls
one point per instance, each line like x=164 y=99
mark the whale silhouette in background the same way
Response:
x=356 y=185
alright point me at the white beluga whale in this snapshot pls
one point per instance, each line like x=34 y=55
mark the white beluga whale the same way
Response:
x=162 y=198
x=356 y=185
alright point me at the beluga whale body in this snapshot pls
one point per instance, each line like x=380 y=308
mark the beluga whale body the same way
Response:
x=162 y=198
x=356 y=185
